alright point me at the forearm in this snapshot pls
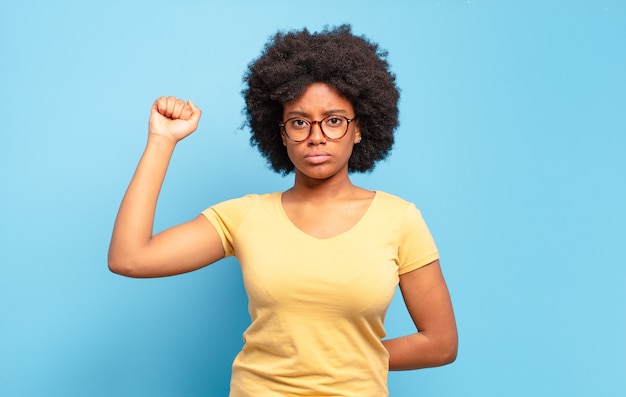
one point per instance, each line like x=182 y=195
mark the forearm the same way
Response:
x=134 y=224
x=418 y=350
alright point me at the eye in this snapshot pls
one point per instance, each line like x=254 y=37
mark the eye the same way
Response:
x=334 y=121
x=298 y=124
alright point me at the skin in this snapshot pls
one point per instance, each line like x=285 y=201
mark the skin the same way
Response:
x=322 y=202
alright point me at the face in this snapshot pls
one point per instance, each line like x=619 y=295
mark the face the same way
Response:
x=317 y=157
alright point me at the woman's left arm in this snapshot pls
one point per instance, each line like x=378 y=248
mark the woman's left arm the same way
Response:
x=428 y=301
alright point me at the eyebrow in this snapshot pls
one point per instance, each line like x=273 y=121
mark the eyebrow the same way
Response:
x=326 y=113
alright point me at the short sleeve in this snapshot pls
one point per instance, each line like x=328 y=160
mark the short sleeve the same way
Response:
x=226 y=218
x=417 y=247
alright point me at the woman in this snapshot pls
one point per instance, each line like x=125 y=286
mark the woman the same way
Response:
x=321 y=260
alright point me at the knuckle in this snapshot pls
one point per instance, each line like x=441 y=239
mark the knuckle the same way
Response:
x=161 y=103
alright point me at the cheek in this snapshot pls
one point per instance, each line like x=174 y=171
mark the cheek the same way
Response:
x=291 y=151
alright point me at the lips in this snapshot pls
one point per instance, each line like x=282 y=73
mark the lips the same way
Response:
x=317 y=156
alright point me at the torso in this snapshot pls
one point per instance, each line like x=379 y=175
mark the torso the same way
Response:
x=306 y=294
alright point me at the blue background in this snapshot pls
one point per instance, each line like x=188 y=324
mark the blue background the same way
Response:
x=512 y=143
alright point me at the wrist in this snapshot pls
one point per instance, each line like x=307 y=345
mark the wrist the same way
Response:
x=161 y=142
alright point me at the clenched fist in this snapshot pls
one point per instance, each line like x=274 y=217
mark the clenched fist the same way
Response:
x=173 y=119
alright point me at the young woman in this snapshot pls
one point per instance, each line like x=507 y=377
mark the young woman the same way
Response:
x=321 y=260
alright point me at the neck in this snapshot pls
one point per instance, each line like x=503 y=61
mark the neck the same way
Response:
x=310 y=189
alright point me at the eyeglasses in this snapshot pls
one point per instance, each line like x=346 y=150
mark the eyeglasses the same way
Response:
x=333 y=127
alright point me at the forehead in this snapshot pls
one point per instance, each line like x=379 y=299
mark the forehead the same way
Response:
x=318 y=98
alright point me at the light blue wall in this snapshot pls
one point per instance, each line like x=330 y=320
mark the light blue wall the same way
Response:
x=512 y=142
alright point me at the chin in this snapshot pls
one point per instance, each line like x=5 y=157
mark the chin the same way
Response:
x=319 y=173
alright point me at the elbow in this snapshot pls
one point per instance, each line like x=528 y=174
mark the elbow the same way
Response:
x=448 y=356
x=133 y=265
x=448 y=351
x=118 y=264
x=118 y=267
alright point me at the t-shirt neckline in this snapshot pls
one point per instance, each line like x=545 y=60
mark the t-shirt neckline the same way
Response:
x=360 y=221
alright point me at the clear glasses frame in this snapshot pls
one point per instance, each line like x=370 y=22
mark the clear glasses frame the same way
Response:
x=283 y=125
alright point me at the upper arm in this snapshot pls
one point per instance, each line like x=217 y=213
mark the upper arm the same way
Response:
x=428 y=301
x=180 y=249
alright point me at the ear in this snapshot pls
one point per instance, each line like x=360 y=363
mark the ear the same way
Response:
x=284 y=138
x=357 y=133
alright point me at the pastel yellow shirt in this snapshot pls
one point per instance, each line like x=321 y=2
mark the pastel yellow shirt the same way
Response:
x=318 y=305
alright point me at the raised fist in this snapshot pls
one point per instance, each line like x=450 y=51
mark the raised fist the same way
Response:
x=172 y=118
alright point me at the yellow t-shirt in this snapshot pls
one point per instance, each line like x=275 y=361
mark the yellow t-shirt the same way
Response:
x=318 y=305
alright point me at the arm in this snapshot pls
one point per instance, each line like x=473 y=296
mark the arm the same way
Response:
x=427 y=299
x=134 y=251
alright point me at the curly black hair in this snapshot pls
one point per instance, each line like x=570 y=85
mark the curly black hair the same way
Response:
x=356 y=67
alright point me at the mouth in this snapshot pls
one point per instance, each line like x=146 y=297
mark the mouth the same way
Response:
x=317 y=157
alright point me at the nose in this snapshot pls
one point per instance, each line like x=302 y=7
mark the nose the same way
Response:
x=316 y=136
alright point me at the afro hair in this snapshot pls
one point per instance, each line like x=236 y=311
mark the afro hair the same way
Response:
x=353 y=65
